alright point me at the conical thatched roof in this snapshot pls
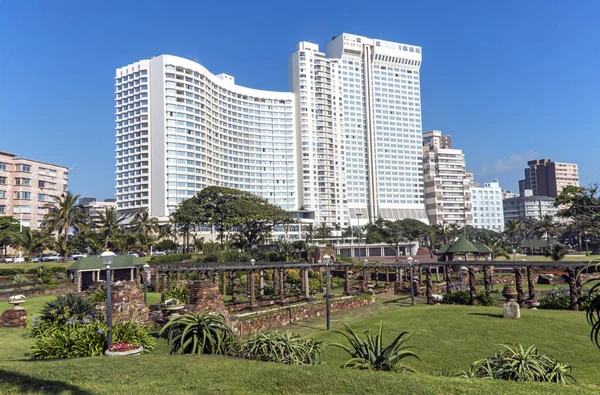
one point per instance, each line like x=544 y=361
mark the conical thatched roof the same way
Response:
x=95 y=262
x=538 y=243
x=482 y=248
x=461 y=246
x=443 y=249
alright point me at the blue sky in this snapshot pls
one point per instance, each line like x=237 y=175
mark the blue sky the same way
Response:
x=509 y=80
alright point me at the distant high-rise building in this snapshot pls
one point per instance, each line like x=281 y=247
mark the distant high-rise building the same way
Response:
x=94 y=208
x=447 y=183
x=544 y=177
x=528 y=206
x=488 y=211
x=27 y=186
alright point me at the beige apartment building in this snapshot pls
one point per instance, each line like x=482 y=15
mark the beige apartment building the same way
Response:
x=27 y=186
x=447 y=183
x=545 y=177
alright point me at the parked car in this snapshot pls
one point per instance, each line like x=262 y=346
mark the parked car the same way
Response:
x=133 y=253
x=19 y=260
x=36 y=259
x=77 y=255
x=51 y=258
x=159 y=253
x=8 y=259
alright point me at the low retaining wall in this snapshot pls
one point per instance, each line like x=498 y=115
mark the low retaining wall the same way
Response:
x=63 y=289
x=234 y=308
x=243 y=325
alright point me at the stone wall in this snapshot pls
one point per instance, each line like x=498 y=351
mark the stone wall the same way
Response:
x=14 y=318
x=62 y=289
x=127 y=302
x=243 y=325
x=205 y=297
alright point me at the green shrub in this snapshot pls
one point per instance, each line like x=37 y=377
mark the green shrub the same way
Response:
x=345 y=259
x=485 y=300
x=516 y=363
x=179 y=292
x=292 y=276
x=337 y=282
x=98 y=296
x=132 y=333
x=172 y=258
x=556 y=302
x=11 y=272
x=67 y=307
x=287 y=348
x=19 y=279
x=70 y=341
x=457 y=297
x=198 y=334
x=370 y=353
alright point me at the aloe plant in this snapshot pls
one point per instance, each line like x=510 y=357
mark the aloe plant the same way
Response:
x=516 y=363
x=287 y=348
x=198 y=334
x=371 y=354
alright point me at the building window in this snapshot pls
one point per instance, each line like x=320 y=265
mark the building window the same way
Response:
x=2 y=180
x=23 y=181
x=2 y=166
x=22 y=167
x=2 y=194
x=23 y=195
x=2 y=209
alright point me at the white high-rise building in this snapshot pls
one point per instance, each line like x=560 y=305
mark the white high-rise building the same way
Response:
x=372 y=89
x=179 y=128
x=488 y=210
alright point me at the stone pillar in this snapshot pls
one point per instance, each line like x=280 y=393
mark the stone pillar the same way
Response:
x=307 y=286
x=530 y=283
x=281 y=288
x=224 y=281
x=437 y=273
x=365 y=279
x=157 y=281
x=302 y=284
x=519 y=286
x=275 y=282
x=387 y=277
x=232 y=275
x=252 y=291
x=448 y=280
x=376 y=278
x=486 y=280
x=429 y=285
x=472 y=288
x=573 y=289
x=261 y=283
x=347 y=281
x=164 y=283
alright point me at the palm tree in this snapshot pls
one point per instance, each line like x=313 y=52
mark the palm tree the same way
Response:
x=198 y=244
x=97 y=245
x=324 y=232
x=497 y=250
x=530 y=229
x=309 y=233
x=556 y=252
x=63 y=247
x=109 y=223
x=65 y=214
x=30 y=241
x=514 y=230
x=145 y=224
x=443 y=233
x=546 y=226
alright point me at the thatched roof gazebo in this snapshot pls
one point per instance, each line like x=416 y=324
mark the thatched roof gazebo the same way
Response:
x=88 y=270
x=462 y=246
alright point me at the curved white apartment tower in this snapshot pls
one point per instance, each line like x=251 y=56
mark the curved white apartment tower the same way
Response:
x=179 y=128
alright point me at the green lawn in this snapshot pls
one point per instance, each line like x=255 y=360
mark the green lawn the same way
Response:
x=450 y=338
x=28 y=265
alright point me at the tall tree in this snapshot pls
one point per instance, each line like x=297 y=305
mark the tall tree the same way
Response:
x=185 y=217
x=546 y=226
x=65 y=214
x=8 y=226
x=146 y=225
x=514 y=230
x=324 y=232
x=109 y=223
x=30 y=241
x=394 y=235
x=63 y=247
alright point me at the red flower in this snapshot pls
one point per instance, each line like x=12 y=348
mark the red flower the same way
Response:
x=120 y=347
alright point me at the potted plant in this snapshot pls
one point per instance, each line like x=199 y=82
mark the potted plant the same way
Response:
x=120 y=349
x=173 y=304
x=16 y=300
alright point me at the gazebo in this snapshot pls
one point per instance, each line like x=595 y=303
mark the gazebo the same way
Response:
x=482 y=250
x=88 y=270
x=461 y=246
x=537 y=244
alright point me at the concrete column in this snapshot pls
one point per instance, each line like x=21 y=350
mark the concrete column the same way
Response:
x=252 y=291
x=281 y=287
x=365 y=280
x=387 y=277
x=275 y=282
x=302 y=283
x=376 y=278
x=261 y=284
x=131 y=274
x=307 y=285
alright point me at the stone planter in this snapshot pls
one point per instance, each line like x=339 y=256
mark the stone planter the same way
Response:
x=533 y=304
x=123 y=353
x=16 y=304
x=175 y=307
x=510 y=293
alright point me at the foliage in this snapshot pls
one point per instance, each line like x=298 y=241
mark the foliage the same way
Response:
x=593 y=313
x=67 y=306
x=132 y=333
x=485 y=300
x=556 y=300
x=30 y=242
x=98 y=296
x=336 y=282
x=287 y=348
x=198 y=334
x=557 y=252
x=179 y=292
x=166 y=245
x=11 y=271
x=171 y=258
x=109 y=223
x=63 y=247
x=65 y=214
x=580 y=204
x=293 y=276
x=516 y=363
x=463 y=297
x=370 y=353
x=344 y=259
x=19 y=278
x=70 y=341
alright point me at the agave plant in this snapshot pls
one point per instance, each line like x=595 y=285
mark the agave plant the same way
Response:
x=179 y=292
x=287 y=348
x=66 y=307
x=593 y=311
x=516 y=363
x=192 y=333
x=370 y=353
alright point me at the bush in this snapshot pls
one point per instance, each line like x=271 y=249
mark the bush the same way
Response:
x=98 y=296
x=19 y=279
x=179 y=292
x=11 y=272
x=198 y=334
x=457 y=297
x=345 y=259
x=287 y=348
x=556 y=302
x=172 y=258
x=370 y=353
x=293 y=276
x=337 y=282
x=83 y=339
x=516 y=363
x=485 y=300
x=67 y=307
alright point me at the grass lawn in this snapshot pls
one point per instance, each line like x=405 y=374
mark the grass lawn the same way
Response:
x=451 y=337
x=29 y=265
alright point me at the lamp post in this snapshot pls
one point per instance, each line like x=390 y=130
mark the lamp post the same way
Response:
x=327 y=261
x=358 y=215
x=587 y=252
x=146 y=274
x=107 y=259
x=319 y=262
x=412 y=289
x=514 y=254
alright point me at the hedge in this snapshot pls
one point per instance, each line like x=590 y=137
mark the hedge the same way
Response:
x=173 y=258
x=31 y=270
x=11 y=272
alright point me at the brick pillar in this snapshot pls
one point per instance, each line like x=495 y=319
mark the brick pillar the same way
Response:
x=531 y=283
x=281 y=287
x=275 y=282
x=519 y=286
x=302 y=283
x=472 y=288
x=376 y=278
x=347 y=282
x=232 y=276
x=365 y=280
x=252 y=291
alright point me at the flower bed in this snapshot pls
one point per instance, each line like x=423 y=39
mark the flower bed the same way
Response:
x=120 y=349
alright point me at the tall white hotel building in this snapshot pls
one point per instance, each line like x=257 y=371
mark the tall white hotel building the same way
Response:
x=345 y=141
